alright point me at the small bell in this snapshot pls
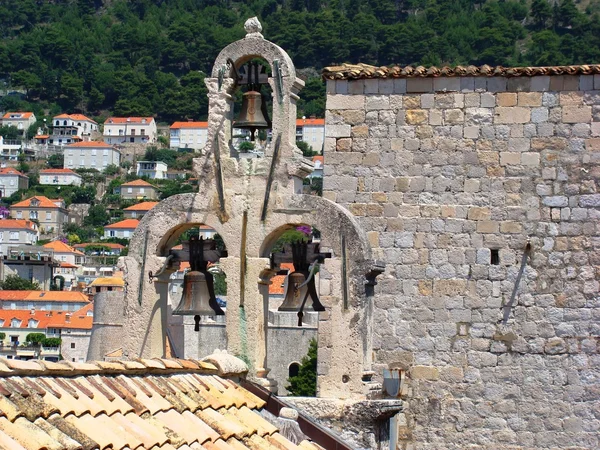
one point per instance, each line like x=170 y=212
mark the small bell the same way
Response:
x=198 y=297
x=294 y=295
x=251 y=116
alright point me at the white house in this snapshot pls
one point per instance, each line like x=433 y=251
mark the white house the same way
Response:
x=11 y=181
x=51 y=214
x=152 y=169
x=311 y=131
x=122 y=229
x=14 y=233
x=59 y=177
x=69 y=259
x=134 y=130
x=91 y=155
x=188 y=135
x=70 y=128
x=21 y=120
x=9 y=149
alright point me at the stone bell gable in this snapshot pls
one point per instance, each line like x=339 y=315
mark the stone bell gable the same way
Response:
x=478 y=187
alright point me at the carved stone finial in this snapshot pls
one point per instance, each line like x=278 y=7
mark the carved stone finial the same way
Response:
x=253 y=27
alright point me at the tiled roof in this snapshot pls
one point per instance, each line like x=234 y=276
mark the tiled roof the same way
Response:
x=79 y=320
x=127 y=223
x=310 y=122
x=42 y=136
x=66 y=265
x=24 y=315
x=44 y=296
x=365 y=71
x=10 y=171
x=64 y=171
x=45 y=202
x=74 y=117
x=189 y=125
x=137 y=183
x=61 y=247
x=24 y=115
x=318 y=158
x=104 y=244
x=277 y=282
x=90 y=144
x=129 y=120
x=144 y=206
x=12 y=224
x=162 y=404
x=108 y=281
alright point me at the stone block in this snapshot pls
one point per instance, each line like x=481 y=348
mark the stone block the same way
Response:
x=529 y=99
x=400 y=86
x=345 y=102
x=386 y=86
x=577 y=114
x=597 y=82
x=530 y=159
x=467 y=84
x=471 y=132
x=330 y=87
x=341 y=87
x=419 y=85
x=571 y=98
x=513 y=114
x=539 y=115
x=446 y=84
x=592 y=145
x=424 y=373
x=589 y=201
x=416 y=116
x=453 y=117
x=453 y=287
x=472 y=100
x=353 y=116
x=519 y=84
x=472 y=185
x=586 y=82
x=487 y=226
x=344 y=145
x=478 y=213
x=338 y=131
x=556 y=201
x=511 y=227
x=427 y=101
x=361 y=131
x=371 y=86
x=506 y=99
x=488 y=100
x=595 y=129
x=540 y=84
x=435 y=117
x=494 y=84
x=356 y=87
x=377 y=102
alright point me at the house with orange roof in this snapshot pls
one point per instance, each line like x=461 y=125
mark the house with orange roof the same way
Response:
x=318 y=167
x=70 y=128
x=75 y=330
x=123 y=229
x=69 y=258
x=152 y=169
x=188 y=134
x=43 y=300
x=60 y=177
x=109 y=248
x=137 y=190
x=130 y=130
x=11 y=181
x=138 y=211
x=91 y=155
x=21 y=120
x=49 y=214
x=311 y=131
x=16 y=232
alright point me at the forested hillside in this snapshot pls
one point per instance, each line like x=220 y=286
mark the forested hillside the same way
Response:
x=149 y=57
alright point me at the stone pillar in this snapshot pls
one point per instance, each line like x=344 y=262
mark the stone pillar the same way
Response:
x=107 y=327
x=160 y=318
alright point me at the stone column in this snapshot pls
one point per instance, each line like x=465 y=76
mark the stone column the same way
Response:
x=160 y=319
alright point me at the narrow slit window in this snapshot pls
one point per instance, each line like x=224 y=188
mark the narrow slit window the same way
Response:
x=494 y=256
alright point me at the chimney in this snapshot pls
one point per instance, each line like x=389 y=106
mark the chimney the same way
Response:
x=67 y=317
x=32 y=312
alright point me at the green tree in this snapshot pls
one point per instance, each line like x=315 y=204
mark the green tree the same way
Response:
x=97 y=216
x=541 y=11
x=10 y=133
x=51 y=342
x=111 y=169
x=306 y=149
x=305 y=383
x=16 y=283
x=35 y=338
x=56 y=161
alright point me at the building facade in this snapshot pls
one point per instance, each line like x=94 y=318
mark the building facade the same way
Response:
x=138 y=211
x=463 y=184
x=91 y=155
x=20 y=120
x=43 y=300
x=59 y=177
x=49 y=214
x=137 y=190
x=14 y=232
x=188 y=135
x=130 y=130
x=71 y=128
x=123 y=229
x=311 y=131
x=11 y=181
x=69 y=259
x=152 y=169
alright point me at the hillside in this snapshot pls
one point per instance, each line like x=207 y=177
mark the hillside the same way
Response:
x=149 y=57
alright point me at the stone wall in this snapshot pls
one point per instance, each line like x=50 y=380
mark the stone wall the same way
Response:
x=451 y=177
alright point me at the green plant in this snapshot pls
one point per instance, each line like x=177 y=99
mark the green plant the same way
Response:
x=16 y=283
x=305 y=383
x=35 y=338
x=2 y=336
x=51 y=342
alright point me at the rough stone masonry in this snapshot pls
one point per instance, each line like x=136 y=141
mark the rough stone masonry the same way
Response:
x=452 y=176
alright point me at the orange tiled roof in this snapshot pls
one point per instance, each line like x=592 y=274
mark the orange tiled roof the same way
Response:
x=24 y=115
x=68 y=171
x=168 y=404
x=10 y=224
x=318 y=158
x=108 y=281
x=44 y=296
x=144 y=206
x=137 y=183
x=365 y=71
x=66 y=265
x=90 y=144
x=132 y=120
x=24 y=315
x=277 y=282
x=10 y=171
x=42 y=136
x=45 y=202
x=76 y=320
x=74 y=117
x=127 y=223
x=310 y=122
x=177 y=125
x=61 y=247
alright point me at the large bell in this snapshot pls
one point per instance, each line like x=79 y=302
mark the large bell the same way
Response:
x=252 y=116
x=198 y=297
x=294 y=296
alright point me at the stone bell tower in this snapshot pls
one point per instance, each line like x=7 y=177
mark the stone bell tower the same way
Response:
x=250 y=202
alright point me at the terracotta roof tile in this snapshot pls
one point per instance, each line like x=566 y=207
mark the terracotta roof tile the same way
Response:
x=44 y=296
x=130 y=120
x=24 y=115
x=127 y=223
x=10 y=171
x=61 y=247
x=159 y=404
x=137 y=183
x=90 y=144
x=44 y=202
x=144 y=206
x=74 y=117
x=310 y=122
x=177 y=125
x=365 y=71
x=11 y=224
x=108 y=281
x=68 y=171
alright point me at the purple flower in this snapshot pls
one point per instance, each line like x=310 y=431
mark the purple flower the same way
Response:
x=306 y=229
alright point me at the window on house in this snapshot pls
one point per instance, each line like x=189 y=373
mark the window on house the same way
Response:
x=131 y=139
x=1 y=236
x=72 y=344
x=48 y=216
x=143 y=132
x=105 y=152
x=129 y=190
x=94 y=152
x=126 y=233
x=133 y=131
x=15 y=323
x=82 y=162
x=19 y=214
x=141 y=190
x=293 y=370
x=63 y=258
x=14 y=236
x=32 y=323
x=112 y=233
